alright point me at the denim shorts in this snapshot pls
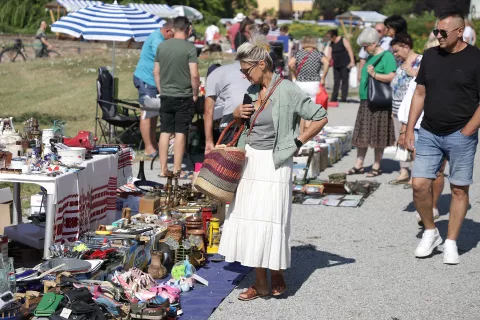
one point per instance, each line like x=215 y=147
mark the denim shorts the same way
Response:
x=144 y=89
x=457 y=148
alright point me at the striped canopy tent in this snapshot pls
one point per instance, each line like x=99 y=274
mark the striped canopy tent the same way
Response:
x=109 y=22
x=160 y=10
x=189 y=12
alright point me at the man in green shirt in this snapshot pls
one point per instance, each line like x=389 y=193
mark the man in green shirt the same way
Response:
x=177 y=80
x=41 y=45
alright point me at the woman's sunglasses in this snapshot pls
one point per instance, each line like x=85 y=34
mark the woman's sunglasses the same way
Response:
x=443 y=33
x=247 y=72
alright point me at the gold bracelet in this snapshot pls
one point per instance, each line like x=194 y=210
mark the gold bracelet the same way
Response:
x=403 y=132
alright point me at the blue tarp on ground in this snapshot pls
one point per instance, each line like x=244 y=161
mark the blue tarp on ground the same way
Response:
x=223 y=277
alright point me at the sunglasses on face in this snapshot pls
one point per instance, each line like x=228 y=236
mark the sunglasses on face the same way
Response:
x=249 y=70
x=443 y=33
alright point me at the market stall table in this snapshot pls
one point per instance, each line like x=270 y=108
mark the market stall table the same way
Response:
x=75 y=200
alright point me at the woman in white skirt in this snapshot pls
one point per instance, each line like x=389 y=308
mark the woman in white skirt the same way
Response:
x=257 y=226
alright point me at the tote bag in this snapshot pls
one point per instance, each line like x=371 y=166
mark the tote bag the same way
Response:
x=379 y=93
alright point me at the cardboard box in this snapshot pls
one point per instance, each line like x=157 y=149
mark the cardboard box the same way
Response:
x=6 y=200
x=149 y=205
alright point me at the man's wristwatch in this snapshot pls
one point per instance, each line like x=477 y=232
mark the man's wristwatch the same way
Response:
x=298 y=143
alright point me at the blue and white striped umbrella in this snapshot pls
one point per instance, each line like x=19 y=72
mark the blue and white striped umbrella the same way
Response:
x=110 y=22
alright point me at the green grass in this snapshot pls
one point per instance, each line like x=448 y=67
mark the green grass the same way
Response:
x=64 y=89
x=27 y=190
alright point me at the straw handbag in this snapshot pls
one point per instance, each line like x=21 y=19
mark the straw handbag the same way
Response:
x=222 y=169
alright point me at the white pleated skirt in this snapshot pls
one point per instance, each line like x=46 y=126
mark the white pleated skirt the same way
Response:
x=256 y=231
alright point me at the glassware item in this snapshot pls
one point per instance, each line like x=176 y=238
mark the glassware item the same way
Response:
x=12 y=283
x=3 y=275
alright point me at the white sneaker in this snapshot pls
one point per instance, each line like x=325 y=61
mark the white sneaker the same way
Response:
x=436 y=215
x=450 y=252
x=430 y=240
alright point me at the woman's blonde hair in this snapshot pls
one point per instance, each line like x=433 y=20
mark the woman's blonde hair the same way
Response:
x=309 y=42
x=254 y=51
x=431 y=43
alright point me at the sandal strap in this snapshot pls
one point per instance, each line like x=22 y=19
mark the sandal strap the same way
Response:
x=250 y=293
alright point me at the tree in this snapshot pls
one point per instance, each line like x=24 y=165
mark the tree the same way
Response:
x=332 y=8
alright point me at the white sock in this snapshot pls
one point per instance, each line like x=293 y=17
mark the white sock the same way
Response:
x=435 y=212
x=449 y=242
x=430 y=231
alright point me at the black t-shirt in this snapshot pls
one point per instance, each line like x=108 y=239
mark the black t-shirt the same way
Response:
x=452 y=84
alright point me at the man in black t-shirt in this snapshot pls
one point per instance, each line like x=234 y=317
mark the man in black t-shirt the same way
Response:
x=448 y=87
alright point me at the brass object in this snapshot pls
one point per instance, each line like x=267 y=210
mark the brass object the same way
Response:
x=127 y=214
x=165 y=214
x=192 y=209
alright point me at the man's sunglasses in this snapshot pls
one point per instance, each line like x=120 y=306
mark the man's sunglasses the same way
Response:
x=247 y=72
x=443 y=33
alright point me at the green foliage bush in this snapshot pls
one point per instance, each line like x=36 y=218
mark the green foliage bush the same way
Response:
x=419 y=27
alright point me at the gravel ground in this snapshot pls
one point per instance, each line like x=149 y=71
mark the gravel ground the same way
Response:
x=358 y=263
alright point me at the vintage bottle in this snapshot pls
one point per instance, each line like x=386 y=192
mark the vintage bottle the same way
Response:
x=141 y=170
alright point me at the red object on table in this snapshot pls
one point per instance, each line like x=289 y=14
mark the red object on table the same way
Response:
x=207 y=214
x=83 y=139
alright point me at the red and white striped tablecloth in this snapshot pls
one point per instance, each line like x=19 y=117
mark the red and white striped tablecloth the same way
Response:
x=84 y=199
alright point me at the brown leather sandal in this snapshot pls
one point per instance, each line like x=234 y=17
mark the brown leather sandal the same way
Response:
x=250 y=294
x=279 y=286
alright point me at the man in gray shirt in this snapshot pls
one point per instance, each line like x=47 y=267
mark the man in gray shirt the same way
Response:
x=225 y=89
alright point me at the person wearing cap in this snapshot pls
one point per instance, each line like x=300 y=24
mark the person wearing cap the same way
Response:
x=234 y=29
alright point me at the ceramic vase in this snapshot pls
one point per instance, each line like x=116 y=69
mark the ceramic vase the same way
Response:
x=156 y=268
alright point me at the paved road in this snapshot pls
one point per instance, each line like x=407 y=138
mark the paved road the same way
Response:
x=358 y=263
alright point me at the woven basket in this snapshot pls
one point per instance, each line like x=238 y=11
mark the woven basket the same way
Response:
x=222 y=169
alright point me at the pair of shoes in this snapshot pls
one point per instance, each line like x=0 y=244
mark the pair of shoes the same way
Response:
x=436 y=215
x=355 y=170
x=251 y=294
x=374 y=173
x=146 y=311
x=399 y=181
x=450 y=252
x=430 y=240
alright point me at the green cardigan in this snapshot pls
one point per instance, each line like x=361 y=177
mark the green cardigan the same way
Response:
x=289 y=104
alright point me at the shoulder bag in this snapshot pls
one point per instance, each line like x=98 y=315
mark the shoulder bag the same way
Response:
x=379 y=93
x=300 y=65
x=223 y=166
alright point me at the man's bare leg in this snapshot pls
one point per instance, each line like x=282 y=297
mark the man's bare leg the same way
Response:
x=179 y=150
x=163 y=152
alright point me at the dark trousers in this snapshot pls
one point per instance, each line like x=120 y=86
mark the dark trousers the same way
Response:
x=340 y=74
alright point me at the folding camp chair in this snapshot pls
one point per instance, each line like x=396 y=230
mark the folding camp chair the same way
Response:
x=128 y=120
